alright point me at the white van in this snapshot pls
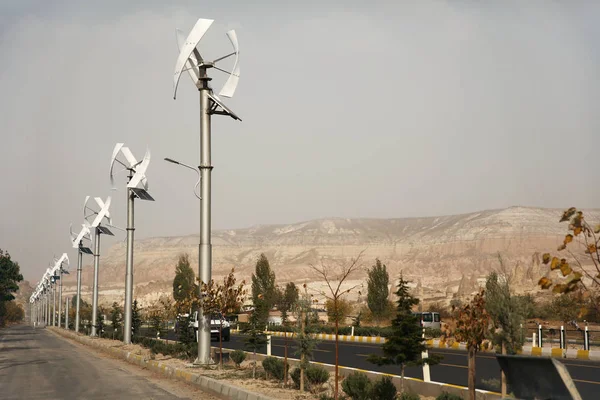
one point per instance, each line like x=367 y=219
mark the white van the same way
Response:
x=429 y=319
x=215 y=325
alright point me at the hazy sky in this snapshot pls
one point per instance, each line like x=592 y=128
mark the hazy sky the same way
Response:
x=367 y=109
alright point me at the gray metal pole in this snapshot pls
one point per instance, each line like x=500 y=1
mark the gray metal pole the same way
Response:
x=95 y=293
x=60 y=274
x=205 y=250
x=54 y=304
x=78 y=301
x=48 y=317
x=67 y=314
x=129 y=268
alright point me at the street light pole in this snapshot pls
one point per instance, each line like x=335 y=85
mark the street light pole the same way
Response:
x=96 y=268
x=79 y=267
x=129 y=266
x=205 y=247
x=54 y=304
x=60 y=294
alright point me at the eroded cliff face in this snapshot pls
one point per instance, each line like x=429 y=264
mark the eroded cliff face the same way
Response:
x=449 y=255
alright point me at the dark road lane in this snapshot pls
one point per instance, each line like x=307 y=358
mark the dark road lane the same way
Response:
x=36 y=365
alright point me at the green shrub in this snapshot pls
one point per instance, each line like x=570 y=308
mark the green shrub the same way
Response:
x=409 y=396
x=295 y=375
x=384 y=389
x=357 y=386
x=238 y=357
x=316 y=376
x=448 y=396
x=273 y=367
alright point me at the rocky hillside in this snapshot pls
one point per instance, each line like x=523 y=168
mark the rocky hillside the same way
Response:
x=443 y=256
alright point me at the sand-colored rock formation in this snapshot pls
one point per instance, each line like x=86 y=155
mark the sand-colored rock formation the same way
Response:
x=449 y=255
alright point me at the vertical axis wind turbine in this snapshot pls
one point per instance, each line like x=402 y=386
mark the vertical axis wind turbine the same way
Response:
x=97 y=216
x=77 y=243
x=58 y=268
x=137 y=186
x=190 y=60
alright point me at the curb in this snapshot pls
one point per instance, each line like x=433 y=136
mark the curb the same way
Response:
x=590 y=355
x=213 y=386
x=341 y=338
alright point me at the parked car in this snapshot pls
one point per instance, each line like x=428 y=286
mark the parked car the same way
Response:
x=429 y=319
x=215 y=326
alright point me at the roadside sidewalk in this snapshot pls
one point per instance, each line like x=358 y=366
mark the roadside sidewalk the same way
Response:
x=220 y=389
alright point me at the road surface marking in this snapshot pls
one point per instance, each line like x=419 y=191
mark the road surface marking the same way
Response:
x=459 y=354
x=452 y=365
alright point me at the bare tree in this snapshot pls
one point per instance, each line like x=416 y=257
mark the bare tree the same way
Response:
x=335 y=274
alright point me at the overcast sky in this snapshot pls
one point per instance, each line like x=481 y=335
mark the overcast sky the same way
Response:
x=391 y=109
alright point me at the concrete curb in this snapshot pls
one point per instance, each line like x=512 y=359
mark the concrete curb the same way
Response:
x=213 y=386
x=341 y=338
x=591 y=355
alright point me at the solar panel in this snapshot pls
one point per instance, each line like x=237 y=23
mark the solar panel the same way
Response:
x=142 y=194
x=105 y=230
x=86 y=250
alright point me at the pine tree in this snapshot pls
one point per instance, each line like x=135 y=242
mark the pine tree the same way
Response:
x=99 y=322
x=184 y=282
x=405 y=344
x=264 y=291
x=136 y=319
x=377 y=290
x=287 y=301
x=115 y=317
x=255 y=335
x=305 y=337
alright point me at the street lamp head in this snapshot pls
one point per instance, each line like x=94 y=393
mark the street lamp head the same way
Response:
x=171 y=160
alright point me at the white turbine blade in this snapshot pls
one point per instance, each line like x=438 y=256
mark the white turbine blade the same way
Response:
x=229 y=88
x=113 y=159
x=191 y=64
x=188 y=47
x=129 y=156
x=103 y=213
x=140 y=171
x=102 y=205
x=79 y=237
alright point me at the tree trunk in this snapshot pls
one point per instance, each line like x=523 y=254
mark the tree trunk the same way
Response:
x=254 y=366
x=402 y=366
x=303 y=329
x=221 y=344
x=335 y=393
x=472 y=353
x=285 y=359
x=503 y=376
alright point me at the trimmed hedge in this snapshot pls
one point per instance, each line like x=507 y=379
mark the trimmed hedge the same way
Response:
x=178 y=350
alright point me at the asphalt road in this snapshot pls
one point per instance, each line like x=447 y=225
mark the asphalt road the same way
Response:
x=35 y=364
x=452 y=369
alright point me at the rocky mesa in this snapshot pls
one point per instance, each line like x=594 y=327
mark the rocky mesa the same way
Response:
x=444 y=256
